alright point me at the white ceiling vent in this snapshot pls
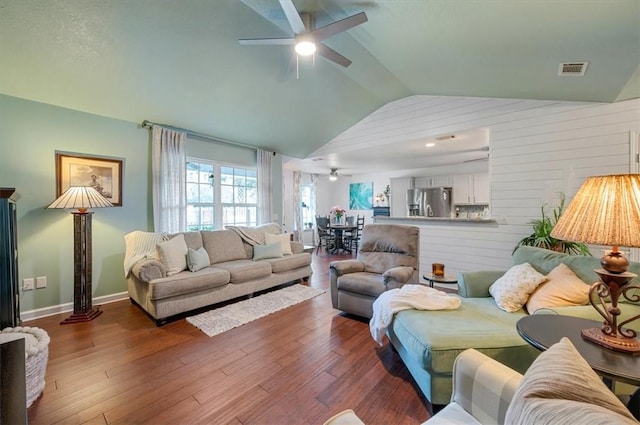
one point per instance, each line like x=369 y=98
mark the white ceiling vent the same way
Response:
x=572 y=69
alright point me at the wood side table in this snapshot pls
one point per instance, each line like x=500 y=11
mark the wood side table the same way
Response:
x=431 y=278
x=544 y=330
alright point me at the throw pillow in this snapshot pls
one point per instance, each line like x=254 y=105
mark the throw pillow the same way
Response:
x=562 y=288
x=561 y=374
x=283 y=239
x=173 y=254
x=197 y=259
x=512 y=290
x=272 y=250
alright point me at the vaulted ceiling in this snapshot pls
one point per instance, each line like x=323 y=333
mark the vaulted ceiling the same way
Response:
x=179 y=61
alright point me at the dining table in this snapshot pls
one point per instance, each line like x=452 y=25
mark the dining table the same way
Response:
x=338 y=235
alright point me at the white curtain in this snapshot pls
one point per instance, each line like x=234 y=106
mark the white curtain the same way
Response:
x=169 y=180
x=265 y=186
x=314 y=208
x=297 y=207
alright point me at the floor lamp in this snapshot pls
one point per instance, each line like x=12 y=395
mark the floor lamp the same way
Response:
x=82 y=198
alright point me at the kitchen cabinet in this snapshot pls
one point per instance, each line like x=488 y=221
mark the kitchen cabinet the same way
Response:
x=471 y=189
x=398 y=201
x=434 y=181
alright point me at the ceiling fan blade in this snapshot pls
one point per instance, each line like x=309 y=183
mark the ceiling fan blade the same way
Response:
x=293 y=16
x=268 y=41
x=338 y=26
x=332 y=55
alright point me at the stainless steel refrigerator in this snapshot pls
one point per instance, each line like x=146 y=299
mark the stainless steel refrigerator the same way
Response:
x=429 y=202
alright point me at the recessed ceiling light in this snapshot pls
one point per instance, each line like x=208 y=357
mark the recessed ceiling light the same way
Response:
x=430 y=145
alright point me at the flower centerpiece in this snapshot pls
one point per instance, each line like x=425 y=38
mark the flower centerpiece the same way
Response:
x=338 y=213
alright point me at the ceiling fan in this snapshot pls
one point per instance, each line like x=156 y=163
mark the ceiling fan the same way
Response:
x=308 y=40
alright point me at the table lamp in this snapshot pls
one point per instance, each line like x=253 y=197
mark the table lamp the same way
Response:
x=606 y=211
x=82 y=198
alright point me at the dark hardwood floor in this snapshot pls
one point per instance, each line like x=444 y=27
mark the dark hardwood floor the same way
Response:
x=300 y=365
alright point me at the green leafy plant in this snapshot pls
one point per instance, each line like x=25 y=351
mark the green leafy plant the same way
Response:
x=541 y=236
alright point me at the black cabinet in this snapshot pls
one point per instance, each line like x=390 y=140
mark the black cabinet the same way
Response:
x=9 y=290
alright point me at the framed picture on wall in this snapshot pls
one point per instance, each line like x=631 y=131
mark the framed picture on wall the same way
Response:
x=360 y=196
x=102 y=173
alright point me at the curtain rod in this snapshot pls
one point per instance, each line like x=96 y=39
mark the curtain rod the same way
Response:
x=149 y=124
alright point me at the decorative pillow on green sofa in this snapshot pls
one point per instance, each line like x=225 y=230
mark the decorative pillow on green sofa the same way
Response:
x=197 y=259
x=561 y=388
x=562 y=288
x=512 y=290
x=271 y=250
x=173 y=254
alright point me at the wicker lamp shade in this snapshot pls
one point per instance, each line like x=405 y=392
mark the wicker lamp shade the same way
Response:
x=605 y=211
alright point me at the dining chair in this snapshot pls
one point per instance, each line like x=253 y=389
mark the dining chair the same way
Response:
x=353 y=237
x=325 y=235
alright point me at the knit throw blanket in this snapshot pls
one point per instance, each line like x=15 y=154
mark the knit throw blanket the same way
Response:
x=418 y=297
x=255 y=235
x=139 y=245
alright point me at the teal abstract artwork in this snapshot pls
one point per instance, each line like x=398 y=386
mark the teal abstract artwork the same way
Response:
x=360 y=196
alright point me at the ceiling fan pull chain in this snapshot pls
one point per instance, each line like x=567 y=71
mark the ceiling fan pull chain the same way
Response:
x=297 y=67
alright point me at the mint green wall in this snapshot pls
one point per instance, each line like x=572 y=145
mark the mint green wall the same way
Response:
x=30 y=133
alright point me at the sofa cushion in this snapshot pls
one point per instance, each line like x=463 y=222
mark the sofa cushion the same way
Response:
x=246 y=270
x=561 y=387
x=187 y=282
x=271 y=250
x=435 y=338
x=223 y=245
x=562 y=288
x=283 y=239
x=289 y=262
x=173 y=254
x=544 y=261
x=366 y=283
x=193 y=239
x=197 y=259
x=384 y=246
x=512 y=290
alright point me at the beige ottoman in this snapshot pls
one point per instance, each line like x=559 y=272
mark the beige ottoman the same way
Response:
x=36 y=342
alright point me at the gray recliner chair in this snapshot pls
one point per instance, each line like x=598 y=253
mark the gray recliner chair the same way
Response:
x=388 y=258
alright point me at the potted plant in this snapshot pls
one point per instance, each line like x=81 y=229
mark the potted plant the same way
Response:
x=541 y=236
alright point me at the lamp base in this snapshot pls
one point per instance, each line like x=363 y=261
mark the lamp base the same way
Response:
x=612 y=342
x=82 y=317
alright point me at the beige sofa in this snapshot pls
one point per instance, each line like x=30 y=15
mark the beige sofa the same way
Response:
x=164 y=290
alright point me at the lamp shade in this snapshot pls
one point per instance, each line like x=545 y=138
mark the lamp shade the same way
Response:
x=605 y=211
x=82 y=198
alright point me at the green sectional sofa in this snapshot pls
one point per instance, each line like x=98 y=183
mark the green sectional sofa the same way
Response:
x=429 y=341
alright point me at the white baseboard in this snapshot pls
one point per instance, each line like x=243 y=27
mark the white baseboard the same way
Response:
x=63 y=308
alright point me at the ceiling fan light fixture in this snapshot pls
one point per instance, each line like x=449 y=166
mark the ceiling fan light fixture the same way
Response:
x=305 y=48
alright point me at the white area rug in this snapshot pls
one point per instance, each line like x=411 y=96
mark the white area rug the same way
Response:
x=231 y=316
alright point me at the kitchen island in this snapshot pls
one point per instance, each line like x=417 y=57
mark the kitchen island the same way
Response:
x=419 y=220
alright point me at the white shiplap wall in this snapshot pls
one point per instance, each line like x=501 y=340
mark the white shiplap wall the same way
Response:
x=538 y=148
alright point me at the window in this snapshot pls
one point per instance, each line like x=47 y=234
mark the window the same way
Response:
x=308 y=213
x=220 y=195
x=200 y=196
x=239 y=196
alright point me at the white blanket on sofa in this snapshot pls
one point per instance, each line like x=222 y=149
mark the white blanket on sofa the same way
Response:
x=139 y=245
x=419 y=297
